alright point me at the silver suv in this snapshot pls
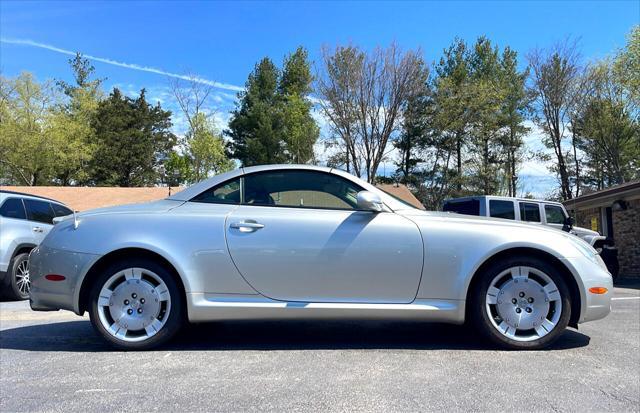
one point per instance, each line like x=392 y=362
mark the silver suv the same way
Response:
x=24 y=222
x=534 y=211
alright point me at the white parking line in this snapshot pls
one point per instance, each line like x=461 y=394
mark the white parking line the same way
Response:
x=625 y=298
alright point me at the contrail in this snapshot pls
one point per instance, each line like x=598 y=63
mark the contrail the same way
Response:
x=26 y=42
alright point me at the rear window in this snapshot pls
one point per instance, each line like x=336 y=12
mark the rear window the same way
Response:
x=39 y=211
x=529 y=212
x=60 y=210
x=467 y=207
x=13 y=208
x=501 y=209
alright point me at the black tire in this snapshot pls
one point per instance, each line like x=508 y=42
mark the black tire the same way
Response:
x=478 y=315
x=13 y=291
x=176 y=317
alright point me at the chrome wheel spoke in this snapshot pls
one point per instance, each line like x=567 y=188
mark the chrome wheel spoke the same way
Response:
x=552 y=292
x=105 y=297
x=162 y=295
x=133 y=274
x=153 y=328
x=492 y=295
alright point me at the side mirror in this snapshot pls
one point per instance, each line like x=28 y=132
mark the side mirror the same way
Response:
x=368 y=201
x=568 y=224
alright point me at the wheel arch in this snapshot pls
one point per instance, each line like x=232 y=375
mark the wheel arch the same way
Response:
x=567 y=274
x=122 y=254
x=23 y=248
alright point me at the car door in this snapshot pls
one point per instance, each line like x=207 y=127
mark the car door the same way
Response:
x=298 y=236
x=40 y=216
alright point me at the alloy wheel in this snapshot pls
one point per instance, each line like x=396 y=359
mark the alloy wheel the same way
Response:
x=23 y=281
x=523 y=303
x=134 y=304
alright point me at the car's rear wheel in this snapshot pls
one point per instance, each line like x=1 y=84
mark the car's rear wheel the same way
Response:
x=136 y=305
x=19 y=283
x=521 y=303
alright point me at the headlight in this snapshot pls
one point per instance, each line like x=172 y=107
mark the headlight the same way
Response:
x=588 y=251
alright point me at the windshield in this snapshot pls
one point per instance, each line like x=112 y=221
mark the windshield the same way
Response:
x=398 y=199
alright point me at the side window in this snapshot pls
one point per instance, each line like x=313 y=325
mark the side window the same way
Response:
x=529 y=212
x=39 y=211
x=501 y=209
x=470 y=207
x=302 y=189
x=225 y=193
x=13 y=208
x=61 y=211
x=554 y=214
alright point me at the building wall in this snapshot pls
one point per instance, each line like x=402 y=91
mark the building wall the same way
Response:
x=626 y=232
x=585 y=218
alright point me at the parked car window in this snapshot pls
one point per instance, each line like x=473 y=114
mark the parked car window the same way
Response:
x=225 y=193
x=468 y=207
x=554 y=214
x=13 y=208
x=303 y=189
x=529 y=212
x=501 y=209
x=61 y=210
x=39 y=211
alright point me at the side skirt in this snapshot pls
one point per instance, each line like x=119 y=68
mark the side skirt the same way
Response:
x=213 y=307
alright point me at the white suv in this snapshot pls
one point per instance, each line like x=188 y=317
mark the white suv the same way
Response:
x=535 y=211
x=24 y=222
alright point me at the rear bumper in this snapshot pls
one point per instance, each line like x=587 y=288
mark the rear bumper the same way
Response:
x=3 y=276
x=57 y=295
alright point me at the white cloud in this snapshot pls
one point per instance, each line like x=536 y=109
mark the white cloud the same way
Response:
x=133 y=66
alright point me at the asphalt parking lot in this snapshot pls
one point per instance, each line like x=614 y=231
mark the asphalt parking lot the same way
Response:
x=55 y=362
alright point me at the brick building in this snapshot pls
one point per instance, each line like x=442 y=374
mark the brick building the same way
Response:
x=615 y=213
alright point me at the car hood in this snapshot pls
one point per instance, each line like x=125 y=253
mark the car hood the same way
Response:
x=163 y=205
x=477 y=220
x=582 y=232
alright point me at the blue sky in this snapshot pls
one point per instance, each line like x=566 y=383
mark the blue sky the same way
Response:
x=221 y=41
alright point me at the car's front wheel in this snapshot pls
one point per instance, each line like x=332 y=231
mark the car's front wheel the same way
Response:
x=521 y=303
x=136 y=305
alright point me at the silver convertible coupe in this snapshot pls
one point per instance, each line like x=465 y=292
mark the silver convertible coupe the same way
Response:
x=296 y=241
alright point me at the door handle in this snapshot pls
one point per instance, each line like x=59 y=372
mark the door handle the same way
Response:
x=246 y=226
x=38 y=229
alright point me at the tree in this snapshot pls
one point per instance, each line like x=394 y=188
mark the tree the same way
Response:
x=453 y=107
x=514 y=109
x=133 y=138
x=300 y=131
x=71 y=122
x=608 y=135
x=205 y=150
x=272 y=122
x=28 y=154
x=201 y=149
x=256 y=127
x=413 y=139
x=363 y=96
x=626 y=68
x=555 y=76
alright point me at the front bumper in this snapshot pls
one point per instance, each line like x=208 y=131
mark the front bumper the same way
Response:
x=57 y=295
x=589 y=274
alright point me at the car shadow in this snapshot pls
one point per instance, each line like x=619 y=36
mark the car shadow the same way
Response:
x=79 y=336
